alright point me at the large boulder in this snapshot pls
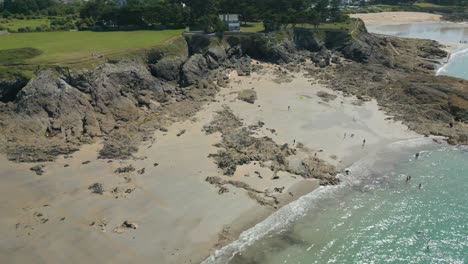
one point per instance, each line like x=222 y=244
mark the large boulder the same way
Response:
x=195 y=69
x=218 y=53
x=167 y=68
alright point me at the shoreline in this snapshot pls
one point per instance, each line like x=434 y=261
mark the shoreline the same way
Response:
x=403 y=18
x=363 y=170
x=168 y=186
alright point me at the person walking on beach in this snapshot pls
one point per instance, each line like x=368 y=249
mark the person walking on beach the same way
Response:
x=344 y=136
x=417 y=155
x=289 y=108
x=363 y=143
x=420 y=186
x=347 y=172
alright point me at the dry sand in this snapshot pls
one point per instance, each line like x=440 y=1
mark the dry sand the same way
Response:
x=54 y=218
x=396 y=17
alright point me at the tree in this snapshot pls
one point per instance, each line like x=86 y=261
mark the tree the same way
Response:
x=321 y=9
x=201 y=11
x=313 y=17
x=335 y=13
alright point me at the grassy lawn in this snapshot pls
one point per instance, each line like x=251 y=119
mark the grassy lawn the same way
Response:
x=254 y=27
x=427 y=5
x=14 y=24
x=258 y=26
x=66 y=47
x=344 y=25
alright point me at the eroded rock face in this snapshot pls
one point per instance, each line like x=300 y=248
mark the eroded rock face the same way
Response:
x=167 y=68
x=120 y=102
x=53 y=115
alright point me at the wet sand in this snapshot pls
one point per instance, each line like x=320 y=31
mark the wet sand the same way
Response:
x=55 y=218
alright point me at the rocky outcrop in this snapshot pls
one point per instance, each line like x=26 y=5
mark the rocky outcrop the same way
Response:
x=121 y=102
x=167 y=69
x=394 y=71
x=56 y=112
x=196 y=68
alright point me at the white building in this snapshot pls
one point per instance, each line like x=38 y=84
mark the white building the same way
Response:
x=231 y=21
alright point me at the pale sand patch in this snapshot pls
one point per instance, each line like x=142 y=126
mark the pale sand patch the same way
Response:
x=319 y=125
x=396 y=17
x=179 y=215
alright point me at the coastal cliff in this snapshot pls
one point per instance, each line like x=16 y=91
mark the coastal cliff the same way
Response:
x=122 y=101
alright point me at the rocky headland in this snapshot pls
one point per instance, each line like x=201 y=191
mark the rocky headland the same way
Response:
x=210 y=120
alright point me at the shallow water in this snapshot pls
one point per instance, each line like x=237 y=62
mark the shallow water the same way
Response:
x=441 y=31
x=444 y=32
x=379 y=218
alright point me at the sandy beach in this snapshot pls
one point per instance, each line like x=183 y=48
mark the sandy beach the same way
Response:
x=163 y=209
x=396 y=17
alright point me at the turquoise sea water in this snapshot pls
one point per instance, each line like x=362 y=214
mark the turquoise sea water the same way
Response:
x=383 y=219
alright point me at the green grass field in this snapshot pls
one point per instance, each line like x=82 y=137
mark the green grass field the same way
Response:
x=257 y=27
x=15 y=24
x=68 y=47
x=428 y=5
x=254 y=27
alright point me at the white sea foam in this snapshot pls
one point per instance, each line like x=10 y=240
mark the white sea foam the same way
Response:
x=455 y=56
x=281 y=219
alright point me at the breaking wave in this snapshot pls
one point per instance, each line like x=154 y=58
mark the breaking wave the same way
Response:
x=284 y=217
x=461 y=54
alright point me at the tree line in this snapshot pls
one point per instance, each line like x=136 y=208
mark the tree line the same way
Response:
x=118 y=14
x=38 y=8
x=462 y=3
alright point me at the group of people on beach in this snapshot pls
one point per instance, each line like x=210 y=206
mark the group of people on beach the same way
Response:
x=352 y=136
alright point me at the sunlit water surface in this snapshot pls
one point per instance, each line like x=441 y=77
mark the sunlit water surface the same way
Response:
x=382 y=219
